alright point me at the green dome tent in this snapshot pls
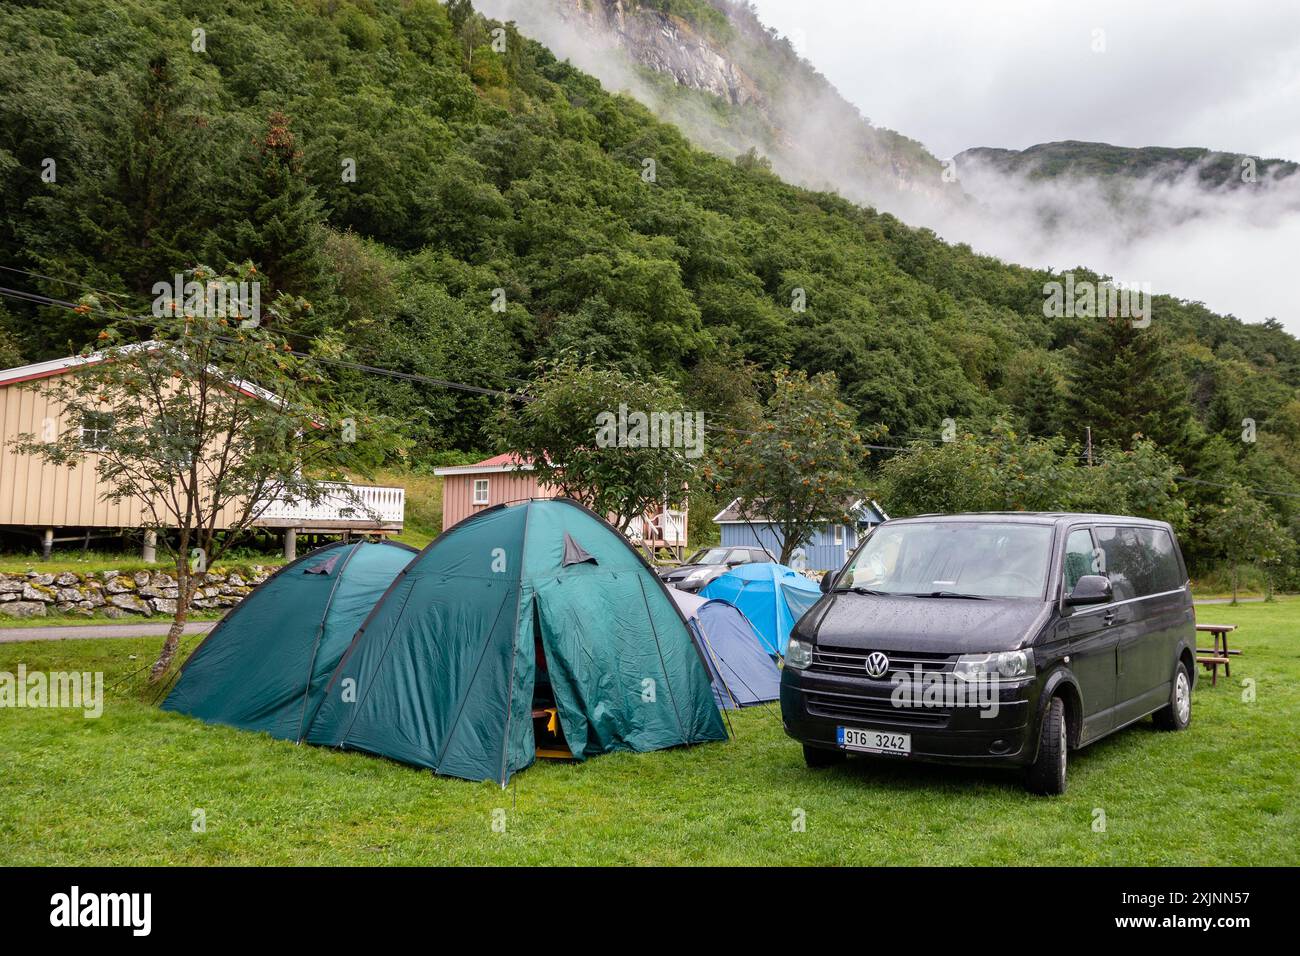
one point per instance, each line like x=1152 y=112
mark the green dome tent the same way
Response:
x=538 y=601
x=266 y=664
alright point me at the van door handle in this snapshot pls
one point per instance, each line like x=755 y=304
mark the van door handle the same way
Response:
x=1108 y=618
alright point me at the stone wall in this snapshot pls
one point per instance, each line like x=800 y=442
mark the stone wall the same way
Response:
x=114 y=594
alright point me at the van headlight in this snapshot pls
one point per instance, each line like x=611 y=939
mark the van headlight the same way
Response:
x=1000 y=665
x=798 y=654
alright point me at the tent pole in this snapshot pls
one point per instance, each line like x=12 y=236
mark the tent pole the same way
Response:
x=662 y=666
x=320 y=630
x=514 y=646
x=725 y=685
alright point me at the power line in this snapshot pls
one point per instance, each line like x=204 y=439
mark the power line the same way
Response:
x=90 y=288
x=414 y=377
x=38 y=299
x=1220 y=484
x=69 y=282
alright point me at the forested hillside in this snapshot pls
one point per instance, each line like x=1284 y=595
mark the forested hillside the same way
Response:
x=506 y=209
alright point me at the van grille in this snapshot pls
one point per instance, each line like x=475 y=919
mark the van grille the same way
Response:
x=851 y=662
x=852 y=707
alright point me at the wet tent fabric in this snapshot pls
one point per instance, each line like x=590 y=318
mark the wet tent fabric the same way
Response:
x=442 y=674
x=741 y=669
x=772 y=596
x=266 y=664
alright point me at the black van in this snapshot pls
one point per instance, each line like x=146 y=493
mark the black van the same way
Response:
x=1000 y=638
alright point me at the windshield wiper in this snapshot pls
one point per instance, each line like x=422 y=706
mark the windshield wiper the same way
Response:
x=861 y=590
x=951 y=594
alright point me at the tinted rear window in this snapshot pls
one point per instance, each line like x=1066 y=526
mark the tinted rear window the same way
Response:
x=1139 y=561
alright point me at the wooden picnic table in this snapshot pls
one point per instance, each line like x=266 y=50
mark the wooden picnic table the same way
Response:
x=1212 y=657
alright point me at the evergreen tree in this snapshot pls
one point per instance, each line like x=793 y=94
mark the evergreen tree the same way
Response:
x=1035 y=388
x=157 y=206
x=1124 y=381
x=282 y=230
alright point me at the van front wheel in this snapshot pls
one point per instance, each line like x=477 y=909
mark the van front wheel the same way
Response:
x=1046 y=774
x=821 y=757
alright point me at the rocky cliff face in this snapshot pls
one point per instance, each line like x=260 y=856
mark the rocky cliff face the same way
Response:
x=732 y=86
x=665 y=44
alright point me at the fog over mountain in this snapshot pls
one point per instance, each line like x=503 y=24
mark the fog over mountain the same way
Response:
x=1230 y=246
x=959 y=77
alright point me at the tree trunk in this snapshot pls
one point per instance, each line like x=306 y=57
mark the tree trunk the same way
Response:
x=168 y=653
x=187 y=585
x=1235 y=570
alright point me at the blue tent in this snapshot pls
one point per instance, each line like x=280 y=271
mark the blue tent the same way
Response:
x=739 y=664
x=772 y=596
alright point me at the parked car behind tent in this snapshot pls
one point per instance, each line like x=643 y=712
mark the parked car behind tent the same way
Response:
x=265 y=665
x=741 y=669
x=518 y=607
x=772 y=596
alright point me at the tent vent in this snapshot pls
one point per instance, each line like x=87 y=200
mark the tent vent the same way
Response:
x=574 y=553
x=325 y=567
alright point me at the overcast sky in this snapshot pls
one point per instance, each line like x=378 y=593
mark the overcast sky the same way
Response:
x=1012 y=73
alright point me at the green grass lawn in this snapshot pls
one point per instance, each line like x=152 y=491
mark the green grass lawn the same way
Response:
x=121 y=789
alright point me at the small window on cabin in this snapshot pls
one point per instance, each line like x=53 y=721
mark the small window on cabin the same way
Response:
x=480 y=491
x=95 y=429
x=839 y=534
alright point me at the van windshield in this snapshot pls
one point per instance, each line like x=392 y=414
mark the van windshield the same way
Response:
x=953 y=558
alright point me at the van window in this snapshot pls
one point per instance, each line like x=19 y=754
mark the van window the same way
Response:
x=1141 y=561
x=1168 y=574
x=1078 y=557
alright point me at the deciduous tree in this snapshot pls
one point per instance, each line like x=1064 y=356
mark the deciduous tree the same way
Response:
x=800 y=465
x=204 y=425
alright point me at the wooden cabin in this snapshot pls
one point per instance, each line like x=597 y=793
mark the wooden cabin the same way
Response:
x=502 y=479
x=56 y=503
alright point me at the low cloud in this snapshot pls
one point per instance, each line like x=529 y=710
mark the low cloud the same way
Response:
x=1231 y=247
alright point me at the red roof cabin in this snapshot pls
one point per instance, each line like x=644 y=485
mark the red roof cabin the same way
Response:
x=501 y=479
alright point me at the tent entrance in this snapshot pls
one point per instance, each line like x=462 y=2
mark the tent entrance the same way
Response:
x=548 y=734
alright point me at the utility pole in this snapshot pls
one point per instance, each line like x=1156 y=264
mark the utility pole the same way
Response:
x=1088 y=448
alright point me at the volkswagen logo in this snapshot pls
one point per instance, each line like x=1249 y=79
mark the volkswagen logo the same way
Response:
x=877 y=664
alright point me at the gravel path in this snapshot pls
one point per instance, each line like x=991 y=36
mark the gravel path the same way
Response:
x=72 y=632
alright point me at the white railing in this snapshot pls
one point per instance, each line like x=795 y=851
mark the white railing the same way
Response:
x=362 y=504
x=667 y=526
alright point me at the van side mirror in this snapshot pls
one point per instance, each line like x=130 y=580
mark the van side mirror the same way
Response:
x=1090 y=589
x=827 y=579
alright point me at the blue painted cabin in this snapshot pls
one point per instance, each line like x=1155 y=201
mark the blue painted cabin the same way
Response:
x=827 y=549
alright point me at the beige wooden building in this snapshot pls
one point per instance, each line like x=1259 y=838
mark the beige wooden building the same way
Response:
x=62 y=503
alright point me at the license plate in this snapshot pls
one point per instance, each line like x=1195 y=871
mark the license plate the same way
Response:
x=873 y=741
